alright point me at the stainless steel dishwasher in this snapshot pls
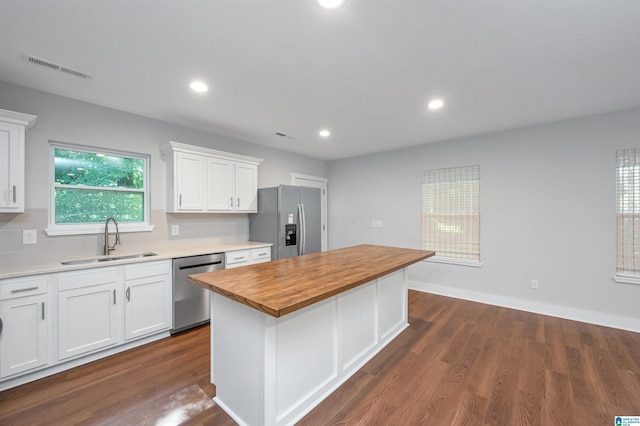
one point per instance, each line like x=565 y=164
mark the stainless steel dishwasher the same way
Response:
x=190 y=302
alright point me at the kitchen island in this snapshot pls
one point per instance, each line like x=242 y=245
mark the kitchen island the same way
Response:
x=285 y=334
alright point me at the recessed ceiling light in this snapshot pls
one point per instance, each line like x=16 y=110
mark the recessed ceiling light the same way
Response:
x=435 y=104
x=198 y=86
x=330 y=4
x=324 y=133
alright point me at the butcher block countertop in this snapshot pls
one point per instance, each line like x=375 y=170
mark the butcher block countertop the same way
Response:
x=283 y=286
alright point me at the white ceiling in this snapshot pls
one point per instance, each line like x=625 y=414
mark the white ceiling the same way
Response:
x=365 y=71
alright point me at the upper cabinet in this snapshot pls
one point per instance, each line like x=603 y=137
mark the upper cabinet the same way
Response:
x=13 y=126
x=189 y=183
x=202 y=180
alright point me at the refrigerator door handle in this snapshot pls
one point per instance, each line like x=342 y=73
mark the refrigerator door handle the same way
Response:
x=304 y=231
x=301 y=230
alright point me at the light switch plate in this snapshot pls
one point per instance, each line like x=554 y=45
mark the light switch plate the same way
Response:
x=29 y=236
x=376 y=224
x=175 y=229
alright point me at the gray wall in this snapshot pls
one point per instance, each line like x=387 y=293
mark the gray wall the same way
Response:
x=66 y=120
x=547 y=200
x=547 y=213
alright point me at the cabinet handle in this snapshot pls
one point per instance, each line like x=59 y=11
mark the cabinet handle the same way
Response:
x=180 y=200
x=1 y=328
x=231 y=202
x=42 y=311
x=238 y=202
x=21 y=290
x=15 y=198
x=114 y=296
x=128 y=294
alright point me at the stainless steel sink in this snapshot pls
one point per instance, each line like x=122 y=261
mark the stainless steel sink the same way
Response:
x=108 y=258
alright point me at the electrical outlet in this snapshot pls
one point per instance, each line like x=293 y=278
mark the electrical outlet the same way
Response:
x=376 y=224
x=534 y=284
x=175 y=230
x=29 y=236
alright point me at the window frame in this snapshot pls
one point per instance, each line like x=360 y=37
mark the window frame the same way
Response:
x=448 y=259
x=629 y=157
x=54 y=229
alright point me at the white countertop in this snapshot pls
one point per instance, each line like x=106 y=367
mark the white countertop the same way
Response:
x=168 y=249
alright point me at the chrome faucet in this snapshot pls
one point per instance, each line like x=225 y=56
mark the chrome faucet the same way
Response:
x=107 y=247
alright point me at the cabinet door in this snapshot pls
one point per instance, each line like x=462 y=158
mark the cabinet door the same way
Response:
x=220 y=185
x=246 y=188
x=87 y=319
x=260 y=255
x=190 y=182
x=24 y=334
x=235 y=259
x=147 y=306
x=11 y=167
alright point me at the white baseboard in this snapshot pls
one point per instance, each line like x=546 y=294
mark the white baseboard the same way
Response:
x=566 y=312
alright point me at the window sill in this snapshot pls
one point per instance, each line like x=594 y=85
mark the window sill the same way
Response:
x=627 y=278
x=454 y=261
x=96 y=229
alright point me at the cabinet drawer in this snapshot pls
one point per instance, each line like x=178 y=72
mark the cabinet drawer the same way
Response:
x=236 y=257
x=78 y=280
x=261 y=255
x=147 y=269
x=21 y=288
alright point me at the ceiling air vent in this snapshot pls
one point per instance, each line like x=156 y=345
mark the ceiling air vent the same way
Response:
x=283 y=135
x=53 y=66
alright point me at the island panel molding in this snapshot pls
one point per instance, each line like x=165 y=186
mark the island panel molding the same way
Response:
x=280 y=287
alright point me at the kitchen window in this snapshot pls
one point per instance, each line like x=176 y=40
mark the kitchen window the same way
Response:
x=451 y=214
x=628 y=216
x=89 y=184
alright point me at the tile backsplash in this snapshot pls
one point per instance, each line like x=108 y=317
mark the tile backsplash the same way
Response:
x=227 y=228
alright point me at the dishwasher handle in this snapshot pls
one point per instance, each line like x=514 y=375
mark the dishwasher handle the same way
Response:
x=198 y=265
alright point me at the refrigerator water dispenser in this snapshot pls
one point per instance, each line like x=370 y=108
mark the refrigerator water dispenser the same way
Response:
x=290 y=234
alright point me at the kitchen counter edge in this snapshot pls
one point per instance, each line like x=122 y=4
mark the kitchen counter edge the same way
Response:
x=183 y=249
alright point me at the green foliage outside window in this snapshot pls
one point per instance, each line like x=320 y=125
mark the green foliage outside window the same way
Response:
x=90 y=187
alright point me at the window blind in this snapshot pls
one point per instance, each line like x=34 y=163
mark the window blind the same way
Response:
x=451 y=212
x=628 y=211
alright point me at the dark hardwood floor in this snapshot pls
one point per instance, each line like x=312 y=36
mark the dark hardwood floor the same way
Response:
x=459 y=363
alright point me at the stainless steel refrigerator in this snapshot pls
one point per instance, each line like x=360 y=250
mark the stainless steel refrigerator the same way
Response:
x=289 y=217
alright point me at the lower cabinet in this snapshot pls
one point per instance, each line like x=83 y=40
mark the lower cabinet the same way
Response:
x=260 y=255
x=235 y=259
x=88 y=312
x=24 y=325
x=51 y=319
x=147 y=304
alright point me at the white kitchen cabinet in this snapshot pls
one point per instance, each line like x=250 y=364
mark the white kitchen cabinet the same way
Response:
x=235 y=259
x=260 y=255
x=24 y=325
x=246 y=188
x=77 y=316
x=89 y=308
x=190 y=184
x=217 y=182
x=147 y=299
x=232 y=186
x=220 y=188
x=13 y=126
